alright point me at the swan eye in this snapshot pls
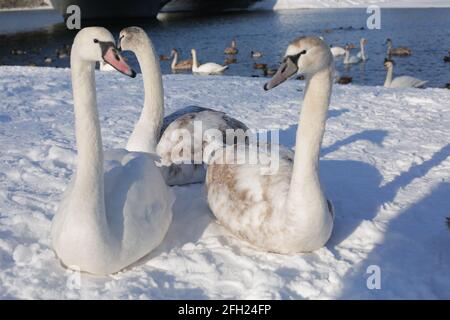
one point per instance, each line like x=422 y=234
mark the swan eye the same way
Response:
x=95 y=40
x=296 y=57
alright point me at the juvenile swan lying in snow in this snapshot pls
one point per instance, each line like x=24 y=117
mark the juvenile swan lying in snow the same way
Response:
x=152 y=133
x=400 y=82
x=109 y=217
x=286 y=211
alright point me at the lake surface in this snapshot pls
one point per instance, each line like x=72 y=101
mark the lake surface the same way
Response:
x=425 y=31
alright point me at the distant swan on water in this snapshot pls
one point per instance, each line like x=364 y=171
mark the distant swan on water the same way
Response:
x=205 y=68
x=400 y=82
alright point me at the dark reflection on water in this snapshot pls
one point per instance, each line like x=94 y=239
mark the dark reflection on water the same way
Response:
x=425 y=31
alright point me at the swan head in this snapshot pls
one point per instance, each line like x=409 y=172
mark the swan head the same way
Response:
x=97 y=44
x=363 y=41
x=388 y=63
x=131 y=38
x=305 y=55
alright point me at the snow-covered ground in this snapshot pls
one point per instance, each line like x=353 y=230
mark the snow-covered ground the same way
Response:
x=300 y=4
x=385 y=164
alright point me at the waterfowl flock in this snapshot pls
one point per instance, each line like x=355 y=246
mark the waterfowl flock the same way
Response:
x=339 y=53
x=118 y=206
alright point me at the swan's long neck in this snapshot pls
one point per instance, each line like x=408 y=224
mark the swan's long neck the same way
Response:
x=88 y=190
x=389 y=47
x=389 y=76
x=306 y=204
x=347 y=55
x=363 y=52
x=175 y=60
x=145 y=135
x=194 y=60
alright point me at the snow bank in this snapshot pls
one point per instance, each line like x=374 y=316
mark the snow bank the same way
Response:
x=301 y=4
x=385 y=164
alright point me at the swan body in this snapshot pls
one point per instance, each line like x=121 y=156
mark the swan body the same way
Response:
x=348 y=59
x=399 y=51
x=400 y=82
x=232 y=49
x=180 y=169
x=206 y=68
x=155 y=134
x=362 y=53
x=180 y=65
x=284 y=211
x=337 y=51
x=117 y=208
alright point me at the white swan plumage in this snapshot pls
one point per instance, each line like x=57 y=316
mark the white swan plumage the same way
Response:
x=285 y=211
x=117 y=208
x=103 y=66
x=205 y=68
x=153 y=133
x=362 y=51
x=337 y=51
x=349 y=59
x=402 y=81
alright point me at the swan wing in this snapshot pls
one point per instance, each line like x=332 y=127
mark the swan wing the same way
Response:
x=245 y=200
x=337 y=51
x=211 y=67
x=189 y=167
x=354 y=59
x=138 y=204
x=407 y=82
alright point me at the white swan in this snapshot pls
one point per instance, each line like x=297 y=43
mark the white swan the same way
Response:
x=362 y=53
x=113 y=213
x=348 y=59
x=400 y=82
x=284 y=212
x=152 y=133
x=205 y=68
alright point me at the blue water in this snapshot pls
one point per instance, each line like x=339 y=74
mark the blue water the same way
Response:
x=425 y=31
